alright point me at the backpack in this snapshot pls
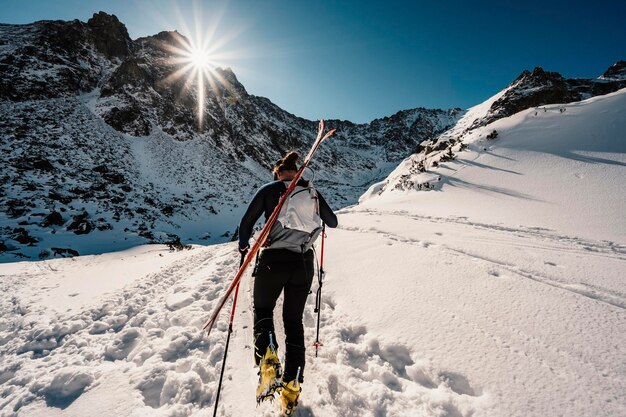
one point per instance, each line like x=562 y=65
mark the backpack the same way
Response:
x=299 y=223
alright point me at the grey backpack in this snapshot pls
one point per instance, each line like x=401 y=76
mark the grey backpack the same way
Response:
x=299 y=223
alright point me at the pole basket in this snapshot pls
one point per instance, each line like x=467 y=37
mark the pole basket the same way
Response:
x=317 y=345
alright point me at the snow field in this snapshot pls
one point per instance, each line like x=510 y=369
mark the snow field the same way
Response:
x=423 y=316
x=515 y=316
x=559 y=167
x=49 y=359
x=499 y=293
x=139 y=350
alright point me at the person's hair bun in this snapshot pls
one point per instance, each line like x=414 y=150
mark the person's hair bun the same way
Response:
x=291 y=158
x=288 y=163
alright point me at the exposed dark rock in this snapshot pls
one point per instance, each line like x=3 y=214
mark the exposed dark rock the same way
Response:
x=53 y=219
x=115 y=178
x=99 y=187
x=16 y=208
x=617 y=71
x=440 y=146
x=167 y=210
x=3 y=246
x=235 y=235
x=110 y=35
x=128 y=120
x=81 y=224
x=42 y=164
x=147 y=234
x=540 y=88
x=58 y=49
x=64 y=252
x=103 y=169
x=22 y=236
x=101 y=224
x=175 y=244
x=44 y=254
x=131 y=72
x=64 y=199
x=493 y=135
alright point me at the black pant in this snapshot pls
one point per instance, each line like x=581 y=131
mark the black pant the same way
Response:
x=280 y=269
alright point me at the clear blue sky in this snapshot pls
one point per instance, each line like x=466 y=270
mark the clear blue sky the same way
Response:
x=359 y=60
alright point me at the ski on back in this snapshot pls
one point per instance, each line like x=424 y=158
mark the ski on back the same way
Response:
x=321 y=136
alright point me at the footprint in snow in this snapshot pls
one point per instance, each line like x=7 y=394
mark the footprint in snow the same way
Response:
x=352 y=334
x=179 y=300
x=458 y=383
x=387 y=379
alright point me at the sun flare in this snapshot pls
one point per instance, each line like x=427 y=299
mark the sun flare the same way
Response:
x=200 y=58
x=197 y=59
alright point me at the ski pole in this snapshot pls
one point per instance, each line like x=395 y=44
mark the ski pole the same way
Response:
x=318 y=295
x=230 y=331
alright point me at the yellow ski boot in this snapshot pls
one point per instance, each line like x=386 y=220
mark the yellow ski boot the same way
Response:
x=289 y=396
x=269 y=375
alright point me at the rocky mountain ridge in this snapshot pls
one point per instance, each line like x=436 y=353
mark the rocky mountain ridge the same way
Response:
x=531 y=89
x=540 y=88
x=101 y=148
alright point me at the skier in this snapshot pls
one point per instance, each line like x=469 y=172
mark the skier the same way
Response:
x=285 y=264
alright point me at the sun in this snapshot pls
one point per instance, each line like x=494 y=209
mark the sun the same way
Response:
x=200 y=58
x=197 y=59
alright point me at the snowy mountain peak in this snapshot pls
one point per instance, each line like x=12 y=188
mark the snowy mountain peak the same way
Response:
x=540 y=87
x=110 y=35
x=102 y=146
x=531 y=90
x=616 y=72
x=538 y=75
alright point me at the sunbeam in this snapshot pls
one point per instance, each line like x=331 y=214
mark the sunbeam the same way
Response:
x=197 y=57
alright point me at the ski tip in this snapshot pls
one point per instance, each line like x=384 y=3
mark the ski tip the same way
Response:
x=208 y=331
x=329 y=134
x=208 y=325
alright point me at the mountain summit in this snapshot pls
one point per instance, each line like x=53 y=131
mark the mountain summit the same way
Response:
x=101 y=147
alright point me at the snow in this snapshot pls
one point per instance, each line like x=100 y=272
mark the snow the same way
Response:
x=500 y=292
x=559 y=168
x=69 y=286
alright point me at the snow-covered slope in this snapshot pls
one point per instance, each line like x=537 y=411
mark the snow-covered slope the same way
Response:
x=499 y=293
x=558 y=167
x=101 y=150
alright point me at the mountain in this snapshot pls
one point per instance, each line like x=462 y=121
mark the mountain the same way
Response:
x=539 y=90
x=499 y=293
x=102 y=148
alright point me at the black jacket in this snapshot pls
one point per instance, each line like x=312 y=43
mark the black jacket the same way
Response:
x=266 y=199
